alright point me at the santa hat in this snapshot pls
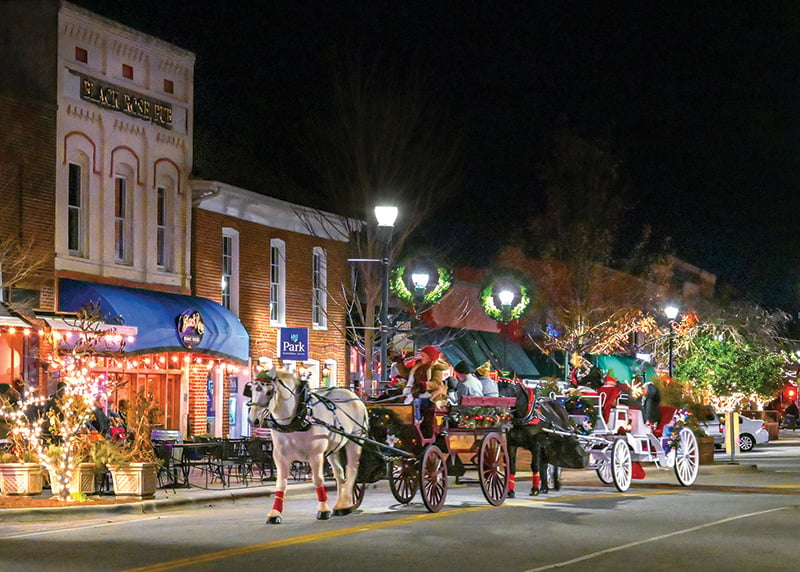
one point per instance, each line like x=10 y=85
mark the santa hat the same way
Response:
x=431 y=351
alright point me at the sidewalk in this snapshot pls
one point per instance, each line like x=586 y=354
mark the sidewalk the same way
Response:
x=742 y=475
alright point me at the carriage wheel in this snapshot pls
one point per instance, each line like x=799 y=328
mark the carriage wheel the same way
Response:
x=604 y=471
x=403 y=480
x=433 y=478
x=687 y=457
x=621 y=465
x=493 y=468
x=358 y=494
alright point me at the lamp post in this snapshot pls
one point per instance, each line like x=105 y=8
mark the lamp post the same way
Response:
x=671 y=312
x=386 y=216
x=505 y=297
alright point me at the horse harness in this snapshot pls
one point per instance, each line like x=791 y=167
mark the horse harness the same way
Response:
x=303 y=419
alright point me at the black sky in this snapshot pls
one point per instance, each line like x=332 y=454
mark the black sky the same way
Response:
x=698 y=100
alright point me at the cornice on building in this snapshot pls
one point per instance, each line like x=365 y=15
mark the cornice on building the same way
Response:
x=228 y=200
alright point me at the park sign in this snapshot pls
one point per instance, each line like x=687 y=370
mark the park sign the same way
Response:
x=293 y=344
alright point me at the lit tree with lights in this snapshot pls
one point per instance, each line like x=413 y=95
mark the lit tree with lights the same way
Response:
x=65 y=444
x=735 y=356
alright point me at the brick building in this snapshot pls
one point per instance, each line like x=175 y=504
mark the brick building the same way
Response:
x=97 y=149
x=264 y=260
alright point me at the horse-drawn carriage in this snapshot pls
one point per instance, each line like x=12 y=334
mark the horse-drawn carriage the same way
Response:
x=449 y=441
x=620 y=441
x=333 y=425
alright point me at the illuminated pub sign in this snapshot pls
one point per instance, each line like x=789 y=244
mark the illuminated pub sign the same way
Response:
x=127 y=102
x=190 y=328
x=293 y=344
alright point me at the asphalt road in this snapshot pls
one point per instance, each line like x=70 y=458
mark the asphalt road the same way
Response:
x=735 y=517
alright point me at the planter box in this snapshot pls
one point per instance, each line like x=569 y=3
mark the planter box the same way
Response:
x=83 y=481
x=705 y=446
x=136 y=480
x=20 y=479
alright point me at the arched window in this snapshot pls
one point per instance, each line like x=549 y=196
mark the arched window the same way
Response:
x=165 y=216
x=277 y=282
x=319 y=285
x=123 y=215
x=77 y=207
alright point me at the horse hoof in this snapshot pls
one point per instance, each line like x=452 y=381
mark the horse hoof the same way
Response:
x=544 y=490
x=511 y=494
x=342 y=511
x=274 y=520
x=534 y=492
x=323 y=515
x=557 y=487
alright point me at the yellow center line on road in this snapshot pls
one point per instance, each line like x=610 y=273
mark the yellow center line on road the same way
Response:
x=326 y=535
x=273 y=544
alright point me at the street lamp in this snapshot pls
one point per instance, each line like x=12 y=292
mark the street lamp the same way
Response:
x=386 y=216
x=505 y=297
x=671 y=312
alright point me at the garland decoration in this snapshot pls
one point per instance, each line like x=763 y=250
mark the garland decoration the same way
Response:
x=470 y=417
x=576 y=404
x=397 y=285
x=495 y=313
x=680 y=419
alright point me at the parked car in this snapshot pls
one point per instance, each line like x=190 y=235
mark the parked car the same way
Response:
x=751 y=431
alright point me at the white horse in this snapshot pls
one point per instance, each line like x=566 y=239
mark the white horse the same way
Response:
x=300 y=421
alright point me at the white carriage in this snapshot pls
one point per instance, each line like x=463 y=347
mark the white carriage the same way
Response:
x=618 y=444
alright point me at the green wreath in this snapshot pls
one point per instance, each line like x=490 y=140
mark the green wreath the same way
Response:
x=398 y=286
x=495 y=313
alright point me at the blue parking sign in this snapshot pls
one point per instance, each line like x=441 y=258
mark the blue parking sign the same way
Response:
x=293 y=344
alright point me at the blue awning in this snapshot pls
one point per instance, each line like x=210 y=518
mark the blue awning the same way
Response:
x=155 y=314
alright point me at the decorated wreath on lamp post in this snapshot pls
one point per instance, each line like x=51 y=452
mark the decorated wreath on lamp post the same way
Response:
x=397 y=285
x=489 y=293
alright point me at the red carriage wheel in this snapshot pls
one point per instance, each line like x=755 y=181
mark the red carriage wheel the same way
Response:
x=403 y=480
x=493 y=468
x=433 y=478
x=358 y=494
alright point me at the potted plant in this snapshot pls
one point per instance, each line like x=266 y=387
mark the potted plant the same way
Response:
x=134 y=464
x=20 y=472
x=82 y=481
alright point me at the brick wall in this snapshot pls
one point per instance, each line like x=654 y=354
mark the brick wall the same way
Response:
x=27 y=185
x=254 y=241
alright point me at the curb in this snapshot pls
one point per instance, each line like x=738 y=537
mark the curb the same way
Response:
x=151 y=506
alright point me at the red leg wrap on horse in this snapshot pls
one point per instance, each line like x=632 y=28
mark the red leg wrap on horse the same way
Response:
x=277 y=504
x=322 y=494
x=511 y=480
x=537 y=481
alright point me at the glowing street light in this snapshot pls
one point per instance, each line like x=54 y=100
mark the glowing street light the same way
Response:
x=671 y=312
x=386 y=215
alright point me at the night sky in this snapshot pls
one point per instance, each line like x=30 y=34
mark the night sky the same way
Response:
x=699 y=101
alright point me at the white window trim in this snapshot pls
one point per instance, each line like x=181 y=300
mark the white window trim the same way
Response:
x=127 y=222
x=322 y=287
x=168 y=227
x=280 y=246
x=82 y=163
x=233 y=235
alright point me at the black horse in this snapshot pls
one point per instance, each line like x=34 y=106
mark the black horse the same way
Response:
x=531 y=417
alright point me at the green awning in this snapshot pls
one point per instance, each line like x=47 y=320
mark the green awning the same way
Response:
x=476 y=347
x=624 y=368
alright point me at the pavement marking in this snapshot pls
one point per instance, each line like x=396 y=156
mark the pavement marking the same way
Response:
x=653 y=539
x=86 y=527
x=273 y=544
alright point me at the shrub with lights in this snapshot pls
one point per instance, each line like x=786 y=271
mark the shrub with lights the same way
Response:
x=65 y=443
